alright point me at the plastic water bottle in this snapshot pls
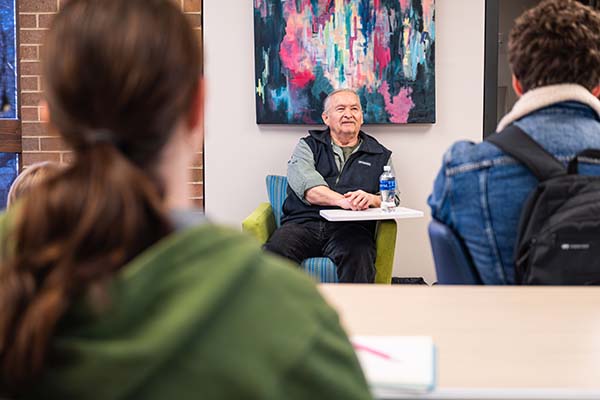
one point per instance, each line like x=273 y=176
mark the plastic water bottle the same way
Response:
x=387 y=187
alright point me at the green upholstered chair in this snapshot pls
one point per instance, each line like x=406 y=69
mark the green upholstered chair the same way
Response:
x=267 y=217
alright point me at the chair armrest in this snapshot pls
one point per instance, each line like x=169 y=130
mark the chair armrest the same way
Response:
x=261 y=223
x=385 y=242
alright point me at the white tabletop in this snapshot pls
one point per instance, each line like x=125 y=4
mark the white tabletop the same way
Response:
x=370 y=214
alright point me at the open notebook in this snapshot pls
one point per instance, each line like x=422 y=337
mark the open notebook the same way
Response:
x=397 y=364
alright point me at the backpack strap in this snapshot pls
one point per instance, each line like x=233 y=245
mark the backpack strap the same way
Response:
x=587 y=153
x=516 y=143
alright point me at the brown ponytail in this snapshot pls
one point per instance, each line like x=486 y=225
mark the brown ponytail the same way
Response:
x=119 y=76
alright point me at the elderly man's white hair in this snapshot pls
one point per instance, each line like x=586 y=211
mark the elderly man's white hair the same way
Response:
x=330 y=95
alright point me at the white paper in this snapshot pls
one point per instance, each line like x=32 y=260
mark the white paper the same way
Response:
x=404 y=363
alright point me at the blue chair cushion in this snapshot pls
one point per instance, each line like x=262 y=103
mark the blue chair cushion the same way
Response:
x=277 y=191
x=320 y=268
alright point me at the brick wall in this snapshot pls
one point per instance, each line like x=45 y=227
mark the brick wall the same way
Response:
x=38 y=145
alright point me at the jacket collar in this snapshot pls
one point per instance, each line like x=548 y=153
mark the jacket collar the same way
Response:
x=546 y=96
x=368 y=143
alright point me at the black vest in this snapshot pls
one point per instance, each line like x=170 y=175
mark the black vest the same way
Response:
x=361 y=171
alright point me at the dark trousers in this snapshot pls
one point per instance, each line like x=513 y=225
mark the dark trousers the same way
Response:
x=350 y=245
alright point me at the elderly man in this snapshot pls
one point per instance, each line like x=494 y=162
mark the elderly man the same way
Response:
x=338 y=167
x=554 y=53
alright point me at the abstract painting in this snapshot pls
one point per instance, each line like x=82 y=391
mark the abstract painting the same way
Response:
x=8 y=60
x=383 y=49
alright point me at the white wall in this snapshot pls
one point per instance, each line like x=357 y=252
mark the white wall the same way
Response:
x=239 y=153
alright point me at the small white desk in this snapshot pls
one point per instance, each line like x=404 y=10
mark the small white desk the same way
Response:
x=374 y=214
x=370 y=214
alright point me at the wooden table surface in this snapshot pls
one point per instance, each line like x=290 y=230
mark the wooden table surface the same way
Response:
x=487 y=336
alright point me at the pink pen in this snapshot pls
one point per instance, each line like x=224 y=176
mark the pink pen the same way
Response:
x=370 y=350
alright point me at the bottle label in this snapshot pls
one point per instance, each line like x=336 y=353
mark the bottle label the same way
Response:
x=387 y=185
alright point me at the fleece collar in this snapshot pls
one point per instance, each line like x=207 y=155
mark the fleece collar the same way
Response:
x=546 y=96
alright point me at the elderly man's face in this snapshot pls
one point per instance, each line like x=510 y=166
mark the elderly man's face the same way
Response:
x=344 y=115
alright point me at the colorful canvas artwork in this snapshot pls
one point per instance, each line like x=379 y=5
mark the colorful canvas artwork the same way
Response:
x=383 y=49
x=8 y=60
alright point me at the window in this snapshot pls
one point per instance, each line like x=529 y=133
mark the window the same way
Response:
x=10 y=126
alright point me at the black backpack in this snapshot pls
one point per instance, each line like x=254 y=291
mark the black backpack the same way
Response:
x=558 y=240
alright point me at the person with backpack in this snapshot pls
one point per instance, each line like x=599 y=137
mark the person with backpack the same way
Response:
x=541 y=163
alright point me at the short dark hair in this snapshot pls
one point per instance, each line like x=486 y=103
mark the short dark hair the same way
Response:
x=558 y=41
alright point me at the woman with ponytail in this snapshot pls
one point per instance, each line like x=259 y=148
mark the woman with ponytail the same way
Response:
x=111 y=285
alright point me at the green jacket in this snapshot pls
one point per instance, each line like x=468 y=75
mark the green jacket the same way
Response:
x=204 y=314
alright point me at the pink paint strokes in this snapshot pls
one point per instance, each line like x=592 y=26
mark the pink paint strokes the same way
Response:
x=428 y=10
x=353 y=36
x=301 y=79
x=404 y=4
x=399 y=106
x=384 y=49
x=381 y=46
x=292 y=50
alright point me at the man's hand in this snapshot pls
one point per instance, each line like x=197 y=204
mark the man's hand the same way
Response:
x=357 y=200
x=361 y=200
x=344 y=203
x=323 y=196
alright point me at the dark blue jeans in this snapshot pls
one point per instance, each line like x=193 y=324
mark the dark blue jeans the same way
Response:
x=350 y=245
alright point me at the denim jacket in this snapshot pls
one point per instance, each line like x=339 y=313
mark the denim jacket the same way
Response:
x=479 y=191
